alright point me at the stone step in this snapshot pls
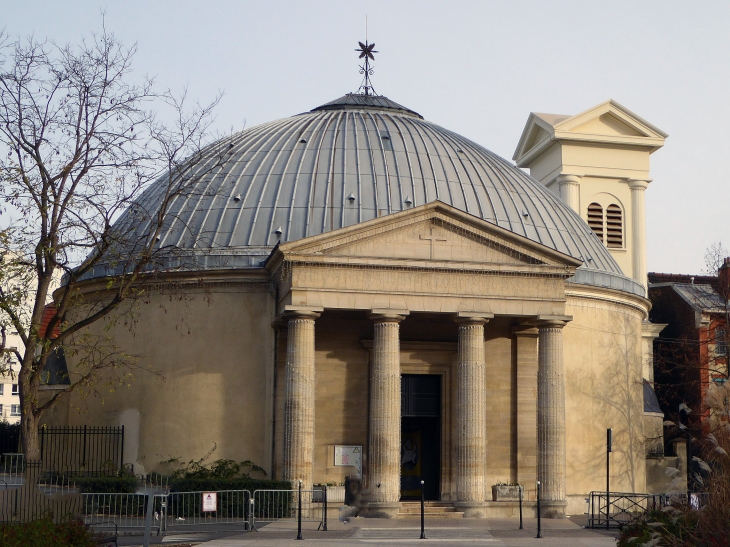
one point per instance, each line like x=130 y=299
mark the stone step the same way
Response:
x=417 y=510
x=450 y=515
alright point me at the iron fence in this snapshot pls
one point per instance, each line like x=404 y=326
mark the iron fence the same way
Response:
x=82 y=450
x=619 y=509
x=275 y=505
x=230 y=509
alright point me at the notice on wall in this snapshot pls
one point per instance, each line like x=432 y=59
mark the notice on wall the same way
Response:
x=210 y=501
x=349 y=456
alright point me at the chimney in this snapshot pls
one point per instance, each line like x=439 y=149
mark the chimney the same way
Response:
x=723 y=273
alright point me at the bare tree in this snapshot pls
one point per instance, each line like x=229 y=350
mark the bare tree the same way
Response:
x=83 y=140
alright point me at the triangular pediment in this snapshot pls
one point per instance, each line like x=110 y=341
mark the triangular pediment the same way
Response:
x=432 y=235
x=608 y=122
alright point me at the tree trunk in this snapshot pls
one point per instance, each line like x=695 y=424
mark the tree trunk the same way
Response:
x=28 y=385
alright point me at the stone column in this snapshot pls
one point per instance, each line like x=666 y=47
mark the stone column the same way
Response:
x=551 y=417
x=385 y=415
x=526 y=406
x=299 y=398
x=471 y=417
x=638 y=230
x=570 y=190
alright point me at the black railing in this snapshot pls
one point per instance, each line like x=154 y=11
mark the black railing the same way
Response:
x=619 y=509
x=82 y=450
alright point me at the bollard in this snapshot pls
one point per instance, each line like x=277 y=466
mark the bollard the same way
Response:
x=521 y=528
x=423 y=510
x=251 y=517
x=299 y=513
x=539 y=528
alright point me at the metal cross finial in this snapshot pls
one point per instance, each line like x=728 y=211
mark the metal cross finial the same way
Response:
x=366 y=52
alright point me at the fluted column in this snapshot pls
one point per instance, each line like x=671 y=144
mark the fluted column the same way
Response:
x=471 y=417
x=299 y=398
x=385 y=416
x=638 y=230
x=570 y=190
x=551 y=417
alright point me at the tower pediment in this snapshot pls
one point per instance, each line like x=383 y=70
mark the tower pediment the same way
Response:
x=607 y=123
x=433 y=235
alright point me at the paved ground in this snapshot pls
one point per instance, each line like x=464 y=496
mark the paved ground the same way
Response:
x=380 y=532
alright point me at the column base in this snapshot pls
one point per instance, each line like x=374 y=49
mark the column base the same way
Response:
x=472 y=509
x=553 y=509
x=380 y=510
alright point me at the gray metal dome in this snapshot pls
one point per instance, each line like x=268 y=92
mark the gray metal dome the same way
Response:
x=351 y=160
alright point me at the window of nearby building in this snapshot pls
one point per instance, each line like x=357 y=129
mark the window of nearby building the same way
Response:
x=15 y=389
x=720 y=341
x=15 y=410
x=2 y=389
x=595 y=219
x=1 y=410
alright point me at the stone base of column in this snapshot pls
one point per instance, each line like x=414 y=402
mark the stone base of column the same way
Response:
x=380 y=510
x=553 y=509
x=472 y=509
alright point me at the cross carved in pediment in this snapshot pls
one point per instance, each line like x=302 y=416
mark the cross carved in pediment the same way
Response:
x=432 y=237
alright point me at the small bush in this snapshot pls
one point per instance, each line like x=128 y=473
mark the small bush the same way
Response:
x=122 y=484
x=44 y=533
x=216 y=484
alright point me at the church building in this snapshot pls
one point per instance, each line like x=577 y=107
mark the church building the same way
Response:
x=368 y=282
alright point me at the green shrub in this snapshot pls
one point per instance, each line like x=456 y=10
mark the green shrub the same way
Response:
x=44 y=533
x=123 y=484
x=216 y=484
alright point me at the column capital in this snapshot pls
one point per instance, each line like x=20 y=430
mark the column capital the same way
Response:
x=472 y=318
x=552 y=321
x=567 y=178
x=301 y=312
x=639 y=184
x=384 y=315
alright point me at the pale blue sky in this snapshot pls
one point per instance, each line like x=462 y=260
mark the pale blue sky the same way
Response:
x=477 y=68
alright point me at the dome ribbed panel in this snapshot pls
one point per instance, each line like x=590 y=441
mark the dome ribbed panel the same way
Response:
x=298 y=173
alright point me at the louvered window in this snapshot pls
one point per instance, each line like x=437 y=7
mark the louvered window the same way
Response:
x=614 y=227
x=595 y=219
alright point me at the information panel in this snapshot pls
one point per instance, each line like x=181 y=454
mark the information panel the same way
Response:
x=210 y=500
x=349 y=456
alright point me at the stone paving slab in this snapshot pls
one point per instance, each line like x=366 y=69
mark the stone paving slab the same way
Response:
x=446 y=532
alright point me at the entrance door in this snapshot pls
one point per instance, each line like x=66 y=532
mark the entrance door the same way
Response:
x=420 y=436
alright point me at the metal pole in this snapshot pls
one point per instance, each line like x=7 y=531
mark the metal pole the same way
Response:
x=324 y=494
x=539 y=527
x=609 y=447
x=521 y=528
x=423 y=510
x=148 y=519
x=299 y=513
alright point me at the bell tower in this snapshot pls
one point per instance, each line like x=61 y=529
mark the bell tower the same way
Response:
x=598 y=163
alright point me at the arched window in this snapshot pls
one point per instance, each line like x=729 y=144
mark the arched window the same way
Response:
x=595 y=219
x=609 y=228
x=614 y=227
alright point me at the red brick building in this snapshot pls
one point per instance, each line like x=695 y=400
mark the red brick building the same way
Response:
x=691 y=355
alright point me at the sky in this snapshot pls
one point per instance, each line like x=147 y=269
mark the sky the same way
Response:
x=475 y=67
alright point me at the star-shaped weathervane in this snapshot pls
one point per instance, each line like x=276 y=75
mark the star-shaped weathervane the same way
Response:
x=366 y=50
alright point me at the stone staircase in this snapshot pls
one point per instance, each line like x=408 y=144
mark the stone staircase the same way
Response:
x=432 y=509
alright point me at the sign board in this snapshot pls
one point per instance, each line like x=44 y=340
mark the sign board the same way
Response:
x=349 y=456
x=210 y=501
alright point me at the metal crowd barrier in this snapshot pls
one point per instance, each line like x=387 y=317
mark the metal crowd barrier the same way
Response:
x=127 y=511
x=185 y=509
x=275 y=505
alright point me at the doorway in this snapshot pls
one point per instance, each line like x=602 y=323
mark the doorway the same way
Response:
x=420 y=436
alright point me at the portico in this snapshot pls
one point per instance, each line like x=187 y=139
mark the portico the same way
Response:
x=414 y=304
